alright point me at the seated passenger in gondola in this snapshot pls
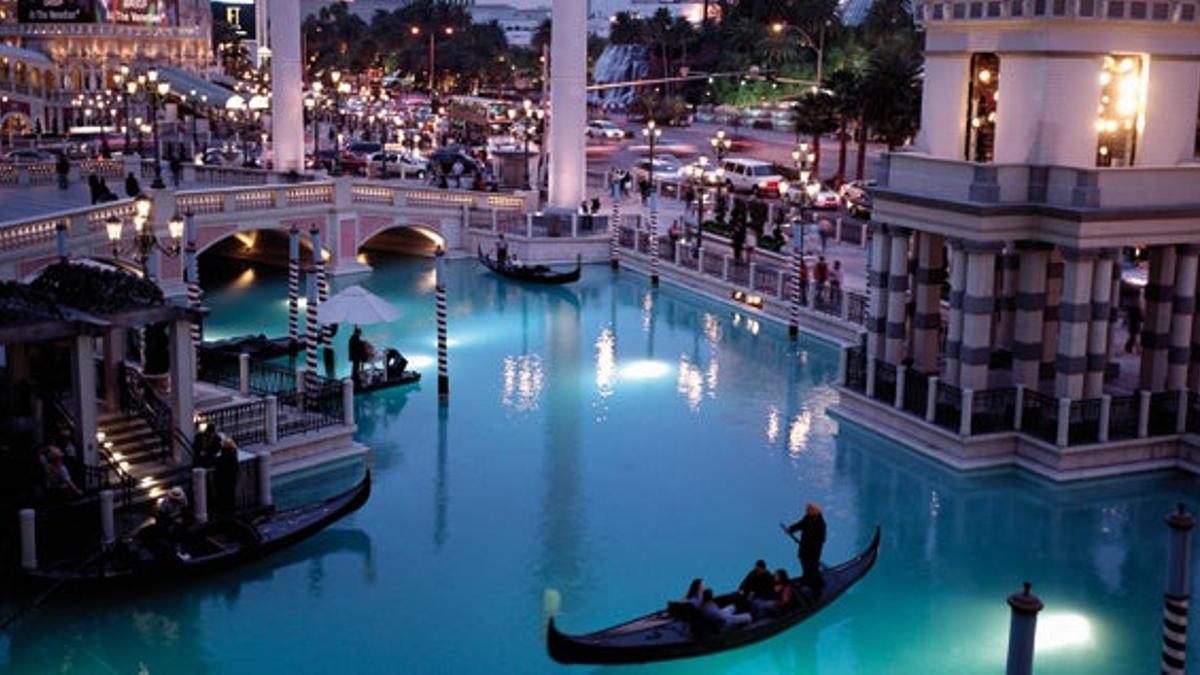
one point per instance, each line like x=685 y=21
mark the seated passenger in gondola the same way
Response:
x=695 y=593
x=758 y=584
x=781 y=597
x=171 y=514
x=721 y=616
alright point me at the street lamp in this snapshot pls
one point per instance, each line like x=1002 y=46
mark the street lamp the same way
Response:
x=652 y=134
x=448 y=30
x=721 y=145
x=144 y=241
x=158 y=91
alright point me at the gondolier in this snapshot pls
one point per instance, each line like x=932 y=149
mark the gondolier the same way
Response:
x=502 y=251
x=812 y=530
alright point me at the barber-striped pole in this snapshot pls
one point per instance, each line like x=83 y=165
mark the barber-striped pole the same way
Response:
x=60 y=240
x=654 y=238
x=440 y=300
x=614 y=227
x=1177 y=597
x=312 y=334
x=797 y=264
x=193 y=279
x=294 y=286
x=324 y=336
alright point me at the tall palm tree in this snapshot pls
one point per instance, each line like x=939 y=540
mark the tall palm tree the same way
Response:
x=845 y=83
x=892 y=92
x=815 y=115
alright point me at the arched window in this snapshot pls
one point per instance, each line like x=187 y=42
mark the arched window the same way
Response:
x=1122 y=100
x=983 y=91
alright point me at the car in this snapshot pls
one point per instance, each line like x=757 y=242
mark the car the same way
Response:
x=604 y=129
x=220 y=157
x=820 y=197
x=666 y=167
x=364 y=148
x=857 y=197
x=30 y=156
x=399 y=164
x=757 y=177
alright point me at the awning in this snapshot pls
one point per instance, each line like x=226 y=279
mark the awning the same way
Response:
x=184 y=83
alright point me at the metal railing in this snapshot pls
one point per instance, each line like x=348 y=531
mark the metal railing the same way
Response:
x=993 y=410
x=318 y=408
x=1123 y=417
x=1039 y=416
x=245 y=423
x=948 y=407
x=138 y=397
x=1164 y=409
x=1083 y=423
x=885 y=382
x=916 y=391
x=856 y=369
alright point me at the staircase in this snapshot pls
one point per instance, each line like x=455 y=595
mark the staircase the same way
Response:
x=139 y=452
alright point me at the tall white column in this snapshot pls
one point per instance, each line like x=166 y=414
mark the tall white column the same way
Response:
x=1098 y=333
x=1030 y=308
x=1160 y=296
x=897 y=290
x=182 y=383
x=1183 y=310
x=1074 y=321
x=927 y=318
x=958 y=283
x=287 y=106
x=877 y=280
x=978 y=305
x=568 y=104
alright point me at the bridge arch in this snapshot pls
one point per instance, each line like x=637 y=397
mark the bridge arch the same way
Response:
x=386 y=232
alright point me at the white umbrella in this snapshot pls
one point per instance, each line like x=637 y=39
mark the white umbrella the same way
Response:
x=356 y=305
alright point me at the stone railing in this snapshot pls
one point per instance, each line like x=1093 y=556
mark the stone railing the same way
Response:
x=1061 y=422
x=383 y=194
x=1170 y=11
x=918 y=174
x=76 y=223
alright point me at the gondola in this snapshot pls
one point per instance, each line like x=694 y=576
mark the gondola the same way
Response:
x=257 y=346
x=534 y=274
x=206 y=548
x=406 y=377
x=666 y=634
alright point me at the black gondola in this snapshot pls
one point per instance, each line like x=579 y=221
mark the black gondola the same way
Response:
x=534 y=274
x=206 y=548
x=665 y=634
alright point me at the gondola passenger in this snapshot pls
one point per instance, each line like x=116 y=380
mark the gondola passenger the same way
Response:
x=722 y=616
x=695 y=593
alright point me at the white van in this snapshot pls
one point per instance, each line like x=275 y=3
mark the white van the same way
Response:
x=751 y=175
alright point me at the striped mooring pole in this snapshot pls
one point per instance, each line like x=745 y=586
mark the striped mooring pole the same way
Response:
x=440 y=301
x=294 y=286
x=1022 y=630
x=312 y=334
x=1175 y=610
x=797 y=264
x=654 y=237
x=614 y=226
x=322 y=283
x=60 y=240
x=193 y=279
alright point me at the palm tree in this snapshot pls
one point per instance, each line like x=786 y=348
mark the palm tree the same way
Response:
x=845 y=83
x=892 y=93
x=816 y=115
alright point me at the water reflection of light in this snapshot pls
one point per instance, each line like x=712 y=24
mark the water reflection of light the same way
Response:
x=523 y=380
x=606 y=362
x=712 y=329
x=246 y=279
x=690 y=383
x=773 y=424
x=302 y=303
x=710 y=376
x=420 y=360
x=647 y=310
x=427 y=282
x=798 y=432
x=644 y=370
x=1063 y=630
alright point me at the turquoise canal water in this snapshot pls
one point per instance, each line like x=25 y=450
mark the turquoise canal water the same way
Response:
x=611 y=443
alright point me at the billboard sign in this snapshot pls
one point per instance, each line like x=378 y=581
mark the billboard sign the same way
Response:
x=56 y=11
x=160 y=13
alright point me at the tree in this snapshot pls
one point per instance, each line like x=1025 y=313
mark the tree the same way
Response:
x=845 y=84
x=892 y=93
x=816 y=115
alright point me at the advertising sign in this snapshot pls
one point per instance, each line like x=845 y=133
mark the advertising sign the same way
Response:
x=160 y=13
x=56 y=11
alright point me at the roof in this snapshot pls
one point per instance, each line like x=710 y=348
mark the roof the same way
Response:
x=185 y=82
x=25 y=55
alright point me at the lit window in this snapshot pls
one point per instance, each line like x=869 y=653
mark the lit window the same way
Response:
x=1119 y=119
x=983 y=92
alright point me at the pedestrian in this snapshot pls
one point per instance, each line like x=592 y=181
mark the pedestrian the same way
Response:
x=738 y=240
x=689 y=196
x=457 y=170
x=358 y=355
x=132 y=187
x=751 y=237
x=823 y=233
x=803 y=281
x=207 y=446
x=226 y=479
x=644 y=188
x=821 y=276
x=62 y=167
x=176 y=165
x=812 y=541
x=94 y=188
x=1134 y=321
x=106 y=195
x=835 y=283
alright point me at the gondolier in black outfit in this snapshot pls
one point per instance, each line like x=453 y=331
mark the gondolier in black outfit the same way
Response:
x=812 y=530
x=358 y=354
x=502 y=251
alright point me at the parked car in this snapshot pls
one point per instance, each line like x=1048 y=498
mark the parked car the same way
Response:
x=751 y=175
x=666 y=167
x=398 y=164
x=604 y=129
x=364 y=148
x=219 y=157
x=857 y=197
x=30 y=156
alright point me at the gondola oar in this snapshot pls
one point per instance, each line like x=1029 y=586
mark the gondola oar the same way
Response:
x=789 y=533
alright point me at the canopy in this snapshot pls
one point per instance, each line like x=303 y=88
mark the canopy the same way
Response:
x=356 y=305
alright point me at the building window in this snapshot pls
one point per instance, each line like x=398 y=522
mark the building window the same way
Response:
x=983 y=91
x=1122 y=100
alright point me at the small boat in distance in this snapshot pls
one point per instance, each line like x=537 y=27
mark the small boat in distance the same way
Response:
x=667 y=634
x=535 y=274
x=206 y=548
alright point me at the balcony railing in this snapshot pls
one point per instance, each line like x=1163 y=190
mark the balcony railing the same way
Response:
x=1172 y=11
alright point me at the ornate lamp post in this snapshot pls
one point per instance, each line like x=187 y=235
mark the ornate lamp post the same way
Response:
x=532 y=119
x=144 y=241
x=448 y=30
x=721 y=146
x=803 y=158
x=158 y=91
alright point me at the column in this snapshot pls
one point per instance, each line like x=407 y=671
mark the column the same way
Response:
x=568 y=104
x=287 y=106
x=877 y=280
x=83 y=377
x=1054 y=284
x=1183 y=310
x=182 y=383
x=927 y=319
x=978 y=304
x=1098 y=333
x=897 y=290
x=1006 y=301
x=1074 y=322
x=954 y=331
x=1160 y=293
x=1028 y=314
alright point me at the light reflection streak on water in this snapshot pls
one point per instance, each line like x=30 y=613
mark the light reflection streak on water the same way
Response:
x=690 y=383
x=798 y=432
x=647 y=310
x=606 y=363
x=523 y=379
x=773 y=424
